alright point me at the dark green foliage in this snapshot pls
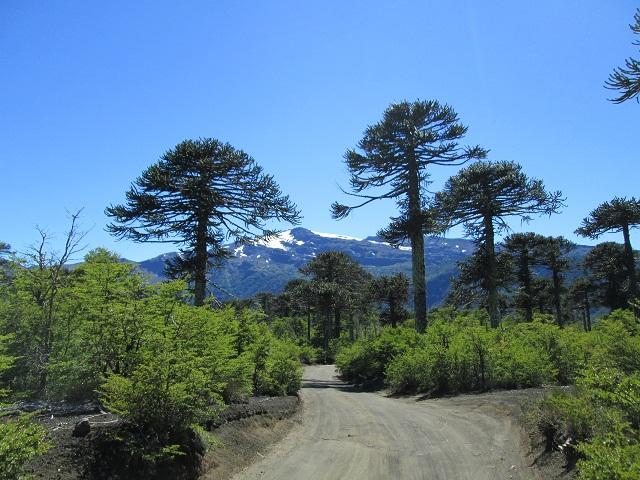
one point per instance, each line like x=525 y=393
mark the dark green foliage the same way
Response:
x=481 y=197
x=606 y=269
x=197 y=195
x=551 y=252
x=393 y=293
x=521 y=248
x=618 y=215
x=471 y=287
x=340 y=290
x=627 y=79
x=394 y=156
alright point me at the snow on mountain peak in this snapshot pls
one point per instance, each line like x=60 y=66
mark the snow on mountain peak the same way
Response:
x=278 y=241
x=334 y=235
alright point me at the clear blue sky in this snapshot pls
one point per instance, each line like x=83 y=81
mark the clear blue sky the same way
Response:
x=91 y=93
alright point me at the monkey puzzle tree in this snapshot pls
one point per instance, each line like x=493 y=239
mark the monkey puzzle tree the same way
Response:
x=521 y=248
x=337 y=283
x=481 y=197
x=394 y=156
x=618 y=215
x=551 y=253
x=470 y=288
x=197 y=195
x=607 y=270
x=393 y=292
x=627 y=79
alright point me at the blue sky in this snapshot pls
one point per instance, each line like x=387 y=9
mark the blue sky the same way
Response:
x=91 y=93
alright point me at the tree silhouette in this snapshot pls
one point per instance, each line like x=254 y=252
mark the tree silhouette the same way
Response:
x=197 y=195
x=337 y=283
x=393 y=292
x=607 y=269
x=481 y=197
x=551 y=252
x=393 y=160
x=627 y=79
x=521 y=248
x=618 y=215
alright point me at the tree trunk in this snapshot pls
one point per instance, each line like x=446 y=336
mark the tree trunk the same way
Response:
x=416 y=238
x=587 y=310
x=525 y=273
x=491 y=272
x=309 y=325
x=337 y=327
x=201 y=262
x=630 y=261
x=393 y=314
x=557 y=285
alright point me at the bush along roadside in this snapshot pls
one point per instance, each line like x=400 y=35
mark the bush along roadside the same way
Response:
x=597 y=424
x=143 y=352
x=457 y=353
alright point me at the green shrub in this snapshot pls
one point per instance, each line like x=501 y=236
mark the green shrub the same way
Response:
x=364 y=361
x=20 y=440
x=612 y=457
x=283 y=368
x=410 y=372
x=166 y=394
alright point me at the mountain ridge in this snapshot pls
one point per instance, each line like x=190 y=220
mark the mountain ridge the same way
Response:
x=267 y=265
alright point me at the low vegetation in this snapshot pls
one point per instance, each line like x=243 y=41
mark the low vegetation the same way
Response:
x=102 y=333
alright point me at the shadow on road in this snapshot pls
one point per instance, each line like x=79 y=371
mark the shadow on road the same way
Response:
x=336 y=384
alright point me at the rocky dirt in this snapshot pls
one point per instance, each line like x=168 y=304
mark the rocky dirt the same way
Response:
x=242 y=429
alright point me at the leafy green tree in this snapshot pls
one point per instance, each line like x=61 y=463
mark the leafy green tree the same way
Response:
x=196 y=195
x=551 y=253
x=481 y=197
x=618 y=215
x=394 y=158
x=606 y=266
x=627 y=79
x=108 y=325
x=521 y=247
x=393 y=292
x=35 y=310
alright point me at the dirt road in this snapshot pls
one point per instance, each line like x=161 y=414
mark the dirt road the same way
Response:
x=351 y=435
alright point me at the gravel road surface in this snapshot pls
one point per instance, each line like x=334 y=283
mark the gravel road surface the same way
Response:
x=352 y=435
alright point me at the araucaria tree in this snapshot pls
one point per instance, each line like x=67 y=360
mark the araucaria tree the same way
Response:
x=199 y=194
x=551 y=253
x=392 y=161
x=481 y=197
x=521 y=247
x=627 y=79
x=618 y=215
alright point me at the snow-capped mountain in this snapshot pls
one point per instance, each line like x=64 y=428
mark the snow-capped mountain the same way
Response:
x=269 y=264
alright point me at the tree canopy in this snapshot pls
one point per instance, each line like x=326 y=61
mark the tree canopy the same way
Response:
x=481 y=197
x=627 y=79
x=199 y=194
x=392 y=160
x=618 y=215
